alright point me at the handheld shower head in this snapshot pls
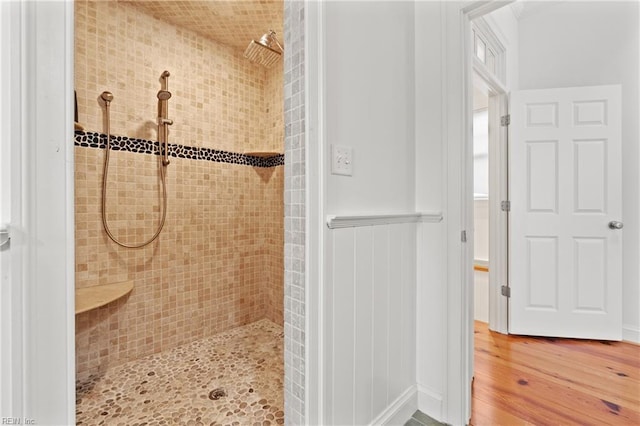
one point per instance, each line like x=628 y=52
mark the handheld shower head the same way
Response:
x=107 y=97
x=164 y=95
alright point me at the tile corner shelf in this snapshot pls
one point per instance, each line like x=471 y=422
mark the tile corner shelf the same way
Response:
x=262 y=154
x=89 y=298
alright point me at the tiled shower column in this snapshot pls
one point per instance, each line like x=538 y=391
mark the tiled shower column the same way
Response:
x=294 y=224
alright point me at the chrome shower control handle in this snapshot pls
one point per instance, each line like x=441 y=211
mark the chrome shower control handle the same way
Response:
x=615 y=225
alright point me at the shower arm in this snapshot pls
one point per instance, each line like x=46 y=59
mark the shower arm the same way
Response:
x=164 y=84
x=273 y=34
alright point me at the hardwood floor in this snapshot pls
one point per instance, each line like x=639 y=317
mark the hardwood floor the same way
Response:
x=545 y=381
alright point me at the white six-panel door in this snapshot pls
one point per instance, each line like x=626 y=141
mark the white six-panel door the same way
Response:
x=565 y=267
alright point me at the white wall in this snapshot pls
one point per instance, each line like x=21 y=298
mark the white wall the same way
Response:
x=369 y=286
x=481 y=296
x=481 y=153
x=481 y=231
x=369 y=105
x=430 y=167
x=481 y=257
x=595 y=43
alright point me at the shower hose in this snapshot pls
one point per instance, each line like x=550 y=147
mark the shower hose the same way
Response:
x=104 y=191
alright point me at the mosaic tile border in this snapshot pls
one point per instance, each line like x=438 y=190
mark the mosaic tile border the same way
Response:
x=144 y=146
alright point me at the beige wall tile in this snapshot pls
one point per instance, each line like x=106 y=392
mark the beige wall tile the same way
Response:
x=218 y=262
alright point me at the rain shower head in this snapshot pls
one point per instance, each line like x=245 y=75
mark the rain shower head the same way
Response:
x=264 y=52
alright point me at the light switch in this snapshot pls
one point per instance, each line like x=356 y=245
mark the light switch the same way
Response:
x=341 y=160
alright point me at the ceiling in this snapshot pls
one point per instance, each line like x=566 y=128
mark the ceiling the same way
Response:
x=231 y=22
x=522 y=9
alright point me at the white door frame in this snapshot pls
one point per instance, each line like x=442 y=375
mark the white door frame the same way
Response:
x=11 y=369
x=459 y=204
x=498 y=191
x=42 y=234
x=315 y=226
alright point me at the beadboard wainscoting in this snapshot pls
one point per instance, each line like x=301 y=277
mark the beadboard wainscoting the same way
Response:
x=369 y=320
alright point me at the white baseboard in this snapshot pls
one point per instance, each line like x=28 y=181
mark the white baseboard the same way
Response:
x=630 y=333
x=430 y=402
x=400 y=410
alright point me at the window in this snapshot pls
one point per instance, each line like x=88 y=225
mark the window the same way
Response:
x=488 y=49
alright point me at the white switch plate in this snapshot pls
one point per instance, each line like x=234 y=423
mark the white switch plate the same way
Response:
x=341 y=160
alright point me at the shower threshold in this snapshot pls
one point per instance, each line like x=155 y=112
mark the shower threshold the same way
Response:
x=233 y=378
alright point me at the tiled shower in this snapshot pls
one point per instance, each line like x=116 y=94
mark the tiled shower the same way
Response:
x=218 y=263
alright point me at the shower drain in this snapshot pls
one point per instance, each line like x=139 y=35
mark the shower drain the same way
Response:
x=216 y=394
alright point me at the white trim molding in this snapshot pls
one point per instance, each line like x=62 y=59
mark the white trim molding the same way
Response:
x=399 y=410
x=435 y=217
x=11 y=288
x=46 y=230
x=430 y=402
x=477 y=8
x=630 y=333
x=337 y=222
x=314 y=29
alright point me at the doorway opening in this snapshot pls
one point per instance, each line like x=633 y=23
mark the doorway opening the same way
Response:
x=480 y=200
x=530 y=169
x=490 y=257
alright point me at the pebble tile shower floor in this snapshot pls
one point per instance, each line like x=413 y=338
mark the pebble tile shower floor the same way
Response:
x=184 y=386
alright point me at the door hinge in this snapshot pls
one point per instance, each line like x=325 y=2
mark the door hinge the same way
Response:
x=4 y=237
x=506 y=291
x=505 y=206
x=505 y=120
x=463 y=236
